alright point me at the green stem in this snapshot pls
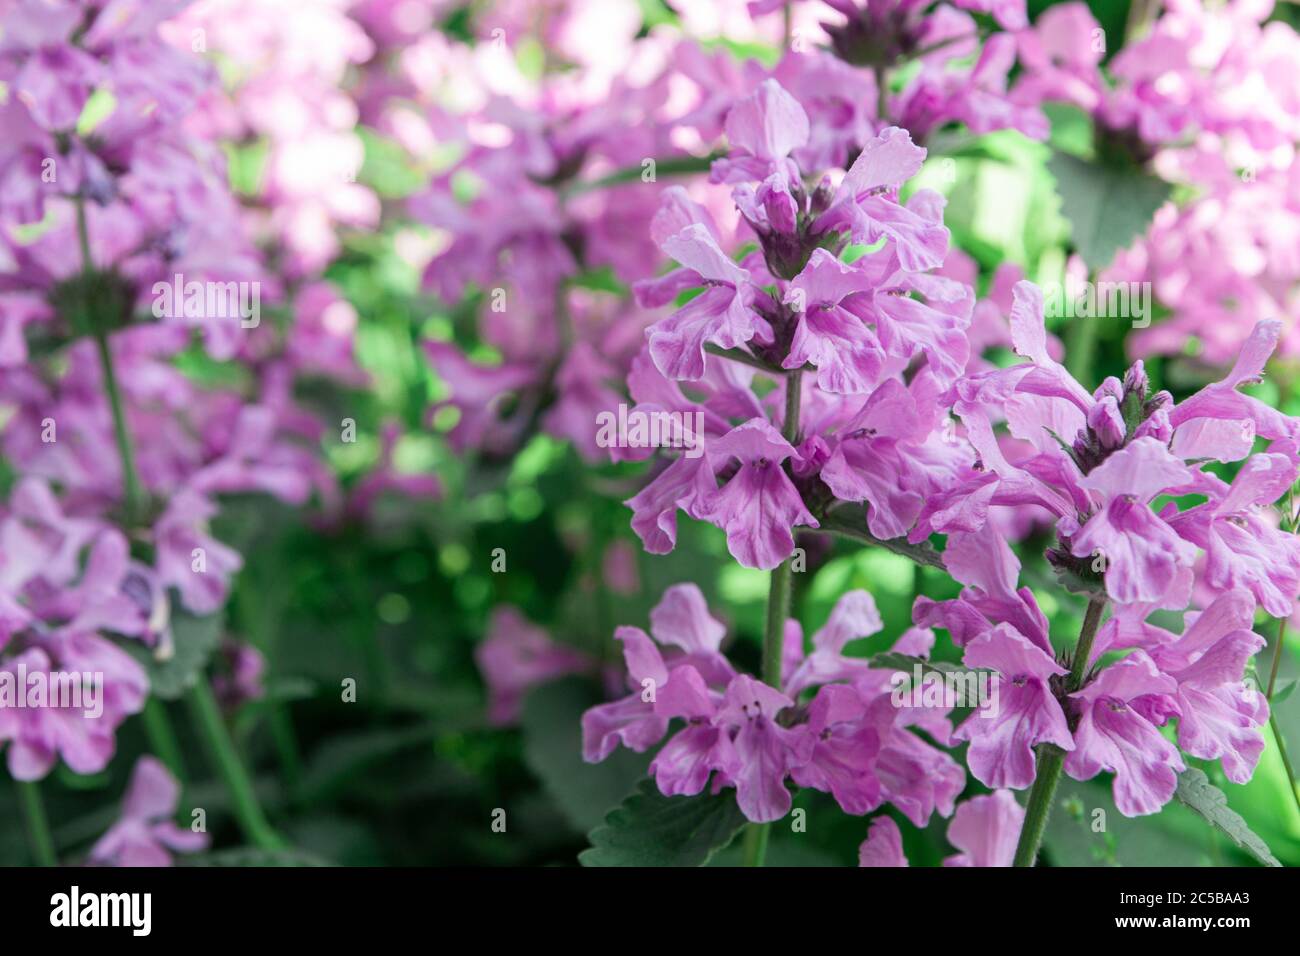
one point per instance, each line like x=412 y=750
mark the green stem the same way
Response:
x=744 y=358
x=1286 y=760
x=38 y=825
x=756 y=837
x=83 y=237
x=778 y=611
x=1081 y=344
x=1277 y=657
x=672 y=166
x=225 y=760
x=1050 y=757
x=1272 y=714
x=130 y=478
x=286 y=745
x=162 y=737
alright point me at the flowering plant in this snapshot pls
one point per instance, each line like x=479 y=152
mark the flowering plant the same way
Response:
x=529 y=378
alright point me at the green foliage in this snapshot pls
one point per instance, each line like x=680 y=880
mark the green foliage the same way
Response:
x=1108 y=206
x=194 y=640
x=649 y=829
x=1209 y=802
x=552 y=727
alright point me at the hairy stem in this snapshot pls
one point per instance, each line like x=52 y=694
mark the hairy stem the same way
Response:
x=778 y=610
x=225 y=760
x=38 y=825
x=1050 y=757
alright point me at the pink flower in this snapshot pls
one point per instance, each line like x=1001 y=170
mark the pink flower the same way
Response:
x=517 y=656
x=759 y=505
x=756 y=752
x=1219 y=716
x=1001 y=750
x=986 y=829
x=883 y=845
x=145 y=834
x=1144 y=558
x=850 y=740
x=198 y=566
x=719 y=316
x=1115 y=734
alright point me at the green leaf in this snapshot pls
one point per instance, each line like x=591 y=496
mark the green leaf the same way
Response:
x=1107 y=206
x=1086 y=829
x=346 y=758
x=252 y=856
x=649 y=829
x=1283 y=691
x=890 y=660
x=194 y=641
x=1196 y=791
x=552 y=726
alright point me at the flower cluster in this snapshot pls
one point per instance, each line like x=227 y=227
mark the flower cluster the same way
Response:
x=1127 y=449
x=849 y=739
x=859 y=432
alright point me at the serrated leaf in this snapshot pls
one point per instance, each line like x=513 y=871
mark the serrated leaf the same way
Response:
x=649 y=829
x=1211 y=803
x=1107 y=206
x=194 y=641
x=552 y=727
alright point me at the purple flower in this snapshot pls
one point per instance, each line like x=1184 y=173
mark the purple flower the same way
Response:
x=198 y=566
x=846 y=736
x=1001 y=744
x=515 y=657
x=1243 y=548
x=883 y=845
x=758 y=505
x=1144 y=559
x=756 y=752
x=866 y=205
x=984 y=562
x=1114 y=734
x=854 y=616
x=1219 y=716
x=850 y=740
x=721 y=315
x=145 y=834
x=986 y=829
